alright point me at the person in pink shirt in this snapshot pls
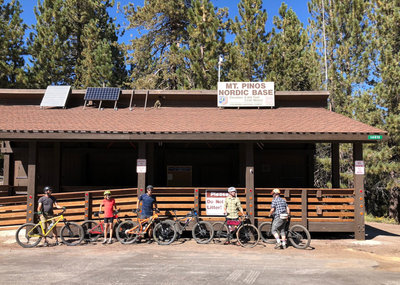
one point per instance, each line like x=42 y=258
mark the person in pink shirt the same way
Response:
x=109 y=208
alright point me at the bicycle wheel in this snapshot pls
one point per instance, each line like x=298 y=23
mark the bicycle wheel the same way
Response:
x=164 y=233
x=71 y=234
x=265 y=233
x=299 y=236
x=220 y=232
x=203 y=232
x=122 y=232
x=91 y=231
x=28 y=235
x=248 y=235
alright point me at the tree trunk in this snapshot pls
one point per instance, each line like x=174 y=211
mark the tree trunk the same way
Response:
x=394 y=205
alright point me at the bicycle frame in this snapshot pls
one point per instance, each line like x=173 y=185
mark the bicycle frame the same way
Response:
x=42 y=225
x=149 y=220
x=101 y=225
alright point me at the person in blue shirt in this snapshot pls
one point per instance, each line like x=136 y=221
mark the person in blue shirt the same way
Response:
x=148 y=203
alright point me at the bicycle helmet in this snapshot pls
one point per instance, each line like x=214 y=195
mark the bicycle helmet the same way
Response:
x=149 y=187
x=276 y=191
x=107 y=192
x=231 y=189
x=47 y=188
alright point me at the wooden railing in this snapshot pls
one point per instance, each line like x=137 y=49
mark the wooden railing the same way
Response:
x=312 y=207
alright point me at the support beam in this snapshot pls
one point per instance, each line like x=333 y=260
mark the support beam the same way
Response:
x=6 y=169
x=88 y=206
x=31 y=192
x=359 y=204
x=335 y=165
x=141 y=176
x=150 y=163
x=304 y=208
x=250 y=181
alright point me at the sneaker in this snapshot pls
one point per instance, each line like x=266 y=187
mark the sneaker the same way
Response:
x=110 y=241
x=45 y=243
x=57 y=243
x=104 y=241
x=227 y=242
x=278 y=245
x=284 y=245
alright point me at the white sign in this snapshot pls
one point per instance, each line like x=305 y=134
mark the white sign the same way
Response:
x=215 y=202
x=246 y=94
x=141 y=166
x=359 y=167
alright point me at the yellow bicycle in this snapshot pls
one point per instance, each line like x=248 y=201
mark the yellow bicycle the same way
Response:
x=30 y=234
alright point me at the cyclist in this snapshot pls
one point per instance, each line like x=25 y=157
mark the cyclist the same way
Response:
x=232 y=207
x=45 y=209
x=148 y=203
x=280 y=211
x=109 y=208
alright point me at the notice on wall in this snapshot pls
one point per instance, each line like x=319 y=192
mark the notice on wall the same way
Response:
x=246 y=94
x=141 y=166
x=359 y=167
x=215 y=202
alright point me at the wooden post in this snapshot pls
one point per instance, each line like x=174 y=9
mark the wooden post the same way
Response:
x=31 y=193
x=335 y=166
x=141 y=176
x=359 y=205
x=197 y=201
x=304 y=208
x=6 y=169
x=250 y=181
x=88 y=206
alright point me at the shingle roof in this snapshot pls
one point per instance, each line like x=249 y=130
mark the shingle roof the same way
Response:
x=179 y=120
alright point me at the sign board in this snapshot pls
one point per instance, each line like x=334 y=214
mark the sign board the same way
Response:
x=246 y=94
x=179 y=175
x=374 y=137
x=141 y=166
x=215 y=202
x=359 y=167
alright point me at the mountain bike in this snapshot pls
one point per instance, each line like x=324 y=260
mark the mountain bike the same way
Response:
x=202 y=231
x=30 y=234
x=297 y=235
x=247 y=234
x=129 y=232
x=93 y=229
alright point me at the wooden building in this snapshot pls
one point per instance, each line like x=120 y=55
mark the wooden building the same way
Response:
x=189 y=146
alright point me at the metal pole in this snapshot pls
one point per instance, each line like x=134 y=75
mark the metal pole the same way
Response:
x=220 y=59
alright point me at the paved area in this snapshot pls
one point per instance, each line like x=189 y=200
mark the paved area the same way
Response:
x=331 y=260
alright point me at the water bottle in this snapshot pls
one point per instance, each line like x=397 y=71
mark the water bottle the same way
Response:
x=51 y=224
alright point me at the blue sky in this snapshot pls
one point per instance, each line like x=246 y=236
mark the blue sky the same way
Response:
x=271 y=6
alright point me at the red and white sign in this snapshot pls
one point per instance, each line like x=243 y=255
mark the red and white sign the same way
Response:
x=359 y=167
x=141 y=166
x=215 y=202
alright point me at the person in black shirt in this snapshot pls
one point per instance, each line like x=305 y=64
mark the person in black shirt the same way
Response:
x=45 y=208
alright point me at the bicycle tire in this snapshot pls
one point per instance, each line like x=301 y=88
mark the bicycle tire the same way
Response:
x=91 y=231
x=164 y=233
x=248 y=235
x=34 y=235
x=265 y=233
x=220 y=232
x=203 y=232
x=122 y=235
x=299 y=236
x=71 y=234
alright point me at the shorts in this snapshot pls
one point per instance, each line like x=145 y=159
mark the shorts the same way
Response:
x=109 y=220
x=44 y=221
x=278 y=225
x=145 y=216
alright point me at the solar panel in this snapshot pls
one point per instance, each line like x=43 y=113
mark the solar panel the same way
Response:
x=55 y=96
x=102 y=94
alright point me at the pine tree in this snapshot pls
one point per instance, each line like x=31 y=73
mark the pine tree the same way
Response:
x=12 y=49
x=292 y=62
x=70 y=38
x=206 y=41
x=156 y=62
x=247 y=56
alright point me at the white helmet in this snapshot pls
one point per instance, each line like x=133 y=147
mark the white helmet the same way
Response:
x=231 y=189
